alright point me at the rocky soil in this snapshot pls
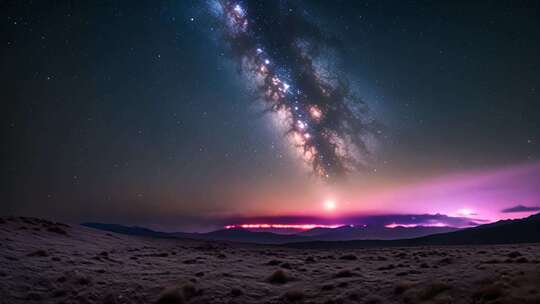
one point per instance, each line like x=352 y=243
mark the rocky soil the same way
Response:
x=47 y=262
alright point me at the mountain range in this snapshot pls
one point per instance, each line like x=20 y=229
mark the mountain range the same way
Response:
x=525 y=230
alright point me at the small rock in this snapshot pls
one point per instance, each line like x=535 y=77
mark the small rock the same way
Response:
x=294 y=296
x=57 y=230
x=343 y=284
x=522 y=260
x=59 y=293
x=349 y=257
x=38 y=253
x=83 y=281
x=310 y=260
x=34 y=296
x=327 y=287
x=445 y=261
x=278 y=277
x=189 y=291
x=236 y=292
x=387 y=267
x=344 y=274
x=171 y=296
x=514 y=254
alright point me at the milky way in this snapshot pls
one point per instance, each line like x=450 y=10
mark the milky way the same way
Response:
x=279 y=50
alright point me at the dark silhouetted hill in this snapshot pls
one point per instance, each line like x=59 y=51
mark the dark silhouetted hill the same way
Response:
x=129 y=230
x=526 y=230
x=243 y=235
x=345 y=233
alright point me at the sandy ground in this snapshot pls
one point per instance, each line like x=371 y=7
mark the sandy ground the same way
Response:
x=45 y=262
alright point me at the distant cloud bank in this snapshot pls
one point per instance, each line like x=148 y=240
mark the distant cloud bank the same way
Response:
x=520 y=208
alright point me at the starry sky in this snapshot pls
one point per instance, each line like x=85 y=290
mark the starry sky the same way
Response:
x=146 y=112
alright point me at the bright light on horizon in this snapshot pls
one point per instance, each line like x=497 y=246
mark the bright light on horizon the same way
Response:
x=466 y=212
x=330 y=205
x=395 y=225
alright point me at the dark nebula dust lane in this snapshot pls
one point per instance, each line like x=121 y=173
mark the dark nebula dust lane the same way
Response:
x=280 y=53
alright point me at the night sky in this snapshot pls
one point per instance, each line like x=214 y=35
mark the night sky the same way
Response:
x=146 y=112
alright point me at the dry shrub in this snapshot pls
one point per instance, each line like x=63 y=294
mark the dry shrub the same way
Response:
x=171 y=296
x=278 y=277
x=294 y=295
x=177 y=295
x=433 y=290
x=374 y=299
x=349 y=257
x=401 y=287
x=344 y=274
x=490 y=292
x=38 y=253
x=236 y=292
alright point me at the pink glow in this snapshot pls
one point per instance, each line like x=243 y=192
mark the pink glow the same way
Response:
x=394 y=225
x=467 y=198
x=480 y=194
x=281 y=226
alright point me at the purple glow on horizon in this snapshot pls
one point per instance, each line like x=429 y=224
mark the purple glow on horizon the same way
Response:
x=459 y=200
x=394 y=225
x=475 y=195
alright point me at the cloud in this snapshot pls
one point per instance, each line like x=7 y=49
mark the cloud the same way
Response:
x=520 y=208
